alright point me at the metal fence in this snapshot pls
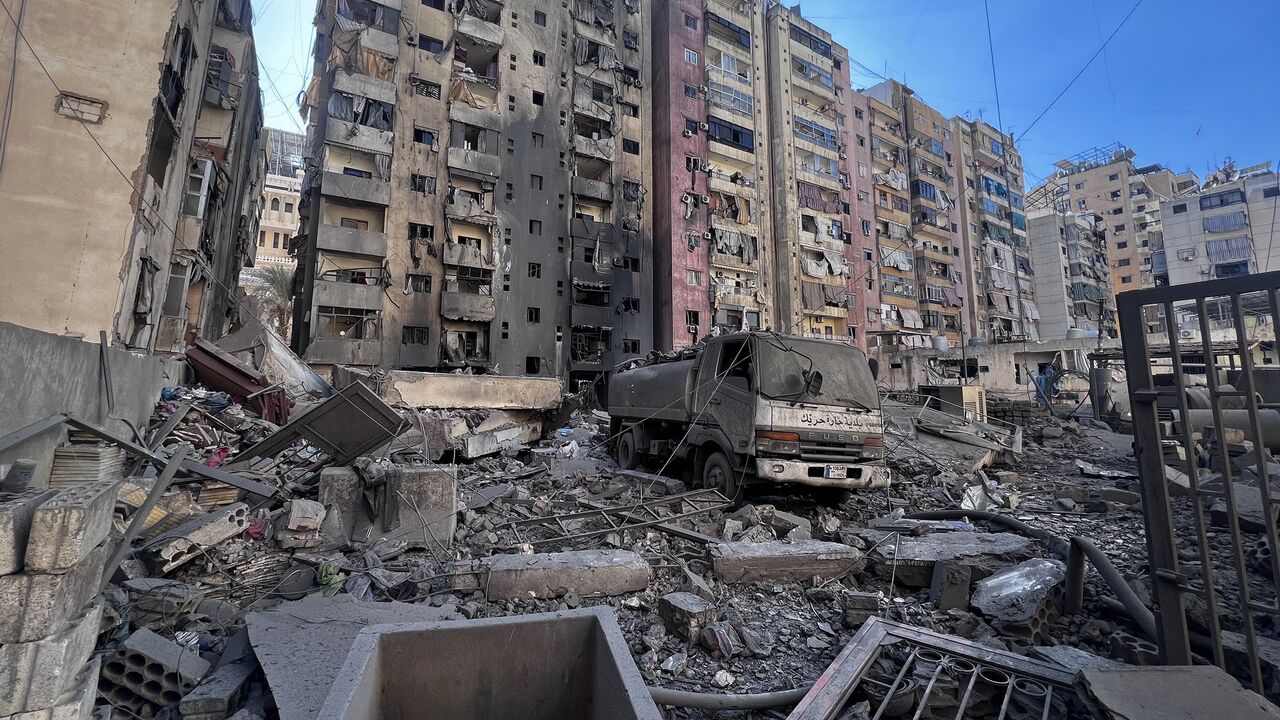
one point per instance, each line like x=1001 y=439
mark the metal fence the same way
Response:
x=1200 y=406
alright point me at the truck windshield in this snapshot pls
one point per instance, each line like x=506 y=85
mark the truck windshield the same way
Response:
x=846 y=377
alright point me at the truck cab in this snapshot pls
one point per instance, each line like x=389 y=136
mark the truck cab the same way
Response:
x=755 y=407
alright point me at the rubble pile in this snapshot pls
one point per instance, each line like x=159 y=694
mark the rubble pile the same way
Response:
x=240 y=592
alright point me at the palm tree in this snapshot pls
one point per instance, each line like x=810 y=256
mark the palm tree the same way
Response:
x=276 y=292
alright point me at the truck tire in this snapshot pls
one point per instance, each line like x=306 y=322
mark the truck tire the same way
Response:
x=628 y=457
x=717 y=473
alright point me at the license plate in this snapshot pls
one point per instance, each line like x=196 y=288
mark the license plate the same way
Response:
x=837 y=472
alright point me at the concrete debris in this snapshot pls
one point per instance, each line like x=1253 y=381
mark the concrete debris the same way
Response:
x=36 y=605
x=15 y=526
x=1027 y=596
x=910 y=560
x=191 y=539
x=417 y=507
x=1172 y=693
x=67 y=527
x=949 y=589
x=685 y=614
x=584 y=572
x=778 y=561
x=39 y=674
x=148 y=668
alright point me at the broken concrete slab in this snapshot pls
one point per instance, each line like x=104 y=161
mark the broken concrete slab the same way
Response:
x=462 y=392
x=15 y=525
x=1018 y=593
x=39 y=674
x=685 y=614
x=1072 y=658
x=543 y=575
x=428 y=507
x=652 y=483
x=1249 y=509
x=779 y=561
x=36 y=605
x=1175 y=692
x=909 y=560
x=69 y=525
x=303 y=645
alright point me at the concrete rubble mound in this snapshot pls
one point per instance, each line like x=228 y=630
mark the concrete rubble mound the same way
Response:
x=285 y=559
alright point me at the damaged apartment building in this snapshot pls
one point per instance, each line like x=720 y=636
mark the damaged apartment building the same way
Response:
x=753 y=173
x=139 y=226
x=475 y=195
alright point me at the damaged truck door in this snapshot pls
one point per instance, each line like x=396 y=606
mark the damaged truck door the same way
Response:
x=754 y=407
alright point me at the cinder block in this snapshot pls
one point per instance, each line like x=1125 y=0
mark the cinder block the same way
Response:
x=685 y=614
x=75 y=704
x=218 y=694
x=37 y=675
x=36 y=605
x=190 y=539
x=584 y=572
x=15 y=526
x=153 y=669
x=68 y=526
x=778 y=561
x=859 y=606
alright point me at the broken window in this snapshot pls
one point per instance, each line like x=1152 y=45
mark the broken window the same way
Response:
x=418 y=231
x=347 y=323
x=414 y=283
x=532 y=365
x=533 y=315
x=539 y=58
x=631 y=146
x=427 y=89
x=630 y=347
x=630 y=305
x=415 y=335
x=430 y=44
x=594 y=294
x=630 y=109
x=424 y=184
x=535 y=270
x=353 y=223
x=79 y=108
x=197 y=189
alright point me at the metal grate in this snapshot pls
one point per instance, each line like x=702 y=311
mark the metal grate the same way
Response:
x=1203 y=539
x=903 y=671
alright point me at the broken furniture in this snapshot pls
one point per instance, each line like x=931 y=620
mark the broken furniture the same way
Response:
x=572 y=665
x=904 y=671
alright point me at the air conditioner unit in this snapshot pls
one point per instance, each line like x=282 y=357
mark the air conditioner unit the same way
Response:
x=687 y=197
x=1186 y=334
x=414 y=78
x=702 y=89
x=844 y=155
x=705 y=199
x=704 y=126
x=638 y=83
x=751 y=283
x=411 y=41
x=845 y=182
x=688 y=133
x=707 y=235
x=719 y=273
x=693 y=329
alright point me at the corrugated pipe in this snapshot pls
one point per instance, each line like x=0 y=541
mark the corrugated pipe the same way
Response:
x=719 y=701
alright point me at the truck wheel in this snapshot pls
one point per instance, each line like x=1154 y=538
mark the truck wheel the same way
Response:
x=628 y=458
x=718 y=473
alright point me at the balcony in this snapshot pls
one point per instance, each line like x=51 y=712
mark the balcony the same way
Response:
x=467 y=306
x=349 y=294
x=464 y=206
x=601 y=148
x=364 y=86
x=586 y=187
x=360 y=137
x=351 y=241
x=340 y=351
x=479 y=29
x=591 y=315
x=474 y=161
x=467 y=256
x=372 y=191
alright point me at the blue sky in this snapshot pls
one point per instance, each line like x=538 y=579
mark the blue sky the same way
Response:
x=1185 y=83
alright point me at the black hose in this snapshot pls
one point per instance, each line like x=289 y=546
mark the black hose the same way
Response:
x=718 y=701
x=1132 y=604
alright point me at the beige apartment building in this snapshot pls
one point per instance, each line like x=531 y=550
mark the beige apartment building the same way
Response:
x=281 y=194
x=130 y=183
x=1106 y=182
x=1072 y=274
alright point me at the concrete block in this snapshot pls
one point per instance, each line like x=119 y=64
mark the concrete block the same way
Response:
x=950 y=587
x=36 y=605
x=790 y=526
x=778 y=561
x=1249 y=509
x=76 y=703
x=153 y=669
x=654 y=484
x=158 y=599
x=15 y=526
x=583 y=572
x=685 y=614
x=38 y=675
x=859 y=606
x=909 y=559
x=428 y=506
x=219 y=693
x=1016 y=594
x=69 y=525
x=1119 y=495
x=190 y=539
x=299 y=526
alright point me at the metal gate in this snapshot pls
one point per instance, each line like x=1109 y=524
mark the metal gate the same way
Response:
x=1195 y=356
